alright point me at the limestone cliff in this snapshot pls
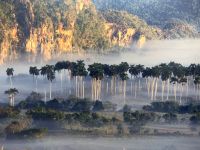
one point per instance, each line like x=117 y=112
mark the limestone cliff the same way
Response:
x=49 y=28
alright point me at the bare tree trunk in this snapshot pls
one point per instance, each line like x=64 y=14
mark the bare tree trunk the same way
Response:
x=13 y=100
x=10 y=100
x=45 y=96
x=152 y=89
x=83 y=89
x=11 y=84
x=92 y=87
x=76 y=86
x=187 y=89
x=61 y=81
x=168 y=84
x=107 y=87
x=181 y=93
x=156 y=89
x=115 y=85
x=50 y=90
x=175 y=89
x=148 y=87
x=124 y=91
x=111 y=86
x=135 y=90
x=163 y=89
x=36 y=84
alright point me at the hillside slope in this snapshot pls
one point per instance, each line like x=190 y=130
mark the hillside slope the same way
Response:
x=49 y=28
x=157 y=12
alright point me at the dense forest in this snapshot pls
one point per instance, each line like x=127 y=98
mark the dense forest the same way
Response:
x=156 y=12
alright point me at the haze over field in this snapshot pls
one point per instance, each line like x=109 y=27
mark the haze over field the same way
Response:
x=99 y=74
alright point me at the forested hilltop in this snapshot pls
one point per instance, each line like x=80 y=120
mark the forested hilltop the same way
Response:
x=52 y=27
x=179 y=18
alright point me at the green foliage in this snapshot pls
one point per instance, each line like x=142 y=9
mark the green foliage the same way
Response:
x=172 y=107
x=126 y=20
x=138 y=117
x=90 y=31
x=46 y=114
x=98 y=106
x=168 y=106
x=90 y=119
x=156 y=12
x=195 y=119
x=9 y=112
x=170 y=117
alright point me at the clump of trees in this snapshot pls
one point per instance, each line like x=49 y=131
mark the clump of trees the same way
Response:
x=195 y=119
x=170 y=117
x=173 y=80
x=172 y=107
x=17 y=126
x=9 y=112
x=68 y=105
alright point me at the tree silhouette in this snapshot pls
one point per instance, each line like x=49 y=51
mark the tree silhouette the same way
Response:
x=97 y=73
x=10 y=73
x=50 y=72
x=11 y=93
x=34 y=71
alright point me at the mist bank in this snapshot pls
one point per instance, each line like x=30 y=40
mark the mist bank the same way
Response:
x=77 y=143
x=154 y=52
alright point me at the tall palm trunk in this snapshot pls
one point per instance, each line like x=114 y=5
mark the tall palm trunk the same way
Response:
x=187 y=88
x=181 y=93
x=175 y=90
x=168 y=88
x=50 y=89
x=13 y=100
x=124 y=82
x=163 y=89
x=36 y=84
x=61 y=81
x=83 y=89
x=148 y=87
x=135 y=90
x=152 y=88
x=156 y=89
x=45 y=96
x=107 y=86
x=11 y=83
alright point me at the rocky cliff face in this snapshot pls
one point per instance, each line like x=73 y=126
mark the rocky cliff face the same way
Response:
x=50 y=28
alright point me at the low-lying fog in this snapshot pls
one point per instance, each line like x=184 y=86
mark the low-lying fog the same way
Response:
x=185 y=51
x=136 y=143
x=153 y=53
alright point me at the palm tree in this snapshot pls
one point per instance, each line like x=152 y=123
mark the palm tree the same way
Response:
x=35 y=72
x=155 y=73
x=107 y=74
x=124 y=77
x=43 y=71
x=114 y=73
x=78 y=71
x=97 y=73
x=147 y=73
x=59 y=66
x=123 y=67
x=166 y=74
x=50 y=72
x=139 y=69
x=82 y=72
x=12 y=92
x=10 y=73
